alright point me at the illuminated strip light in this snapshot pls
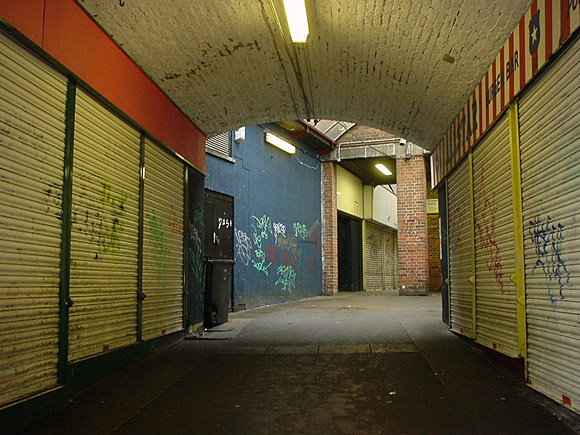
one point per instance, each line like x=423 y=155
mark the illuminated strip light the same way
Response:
x=383 y=169
x=280 y=143
x=297 y=20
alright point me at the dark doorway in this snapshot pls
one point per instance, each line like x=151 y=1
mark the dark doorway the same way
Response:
x=349 y=253
x=219 y=264
x=219 y=225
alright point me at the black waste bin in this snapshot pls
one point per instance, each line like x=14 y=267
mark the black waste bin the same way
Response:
x=218 y=287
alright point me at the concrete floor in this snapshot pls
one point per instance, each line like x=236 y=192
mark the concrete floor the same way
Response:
x=357 y=363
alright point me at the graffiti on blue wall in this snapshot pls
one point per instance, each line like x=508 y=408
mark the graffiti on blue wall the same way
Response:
x=243 y=247
x=287 y=278
x=262 y=231
x=268 y=247
x=547 y=237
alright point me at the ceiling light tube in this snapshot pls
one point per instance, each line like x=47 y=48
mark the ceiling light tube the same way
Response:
x=383 y=169
x=280 y=143
x=297 y=20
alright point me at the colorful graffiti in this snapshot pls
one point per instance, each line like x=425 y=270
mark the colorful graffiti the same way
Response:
x=262 y=230
x=300 y=230
x=156 y=237
x=287 y=278
x=195 y=250
x=243 y=247
x=268 y=246
x=102 y=222
x=485 y=225
x=547 y=237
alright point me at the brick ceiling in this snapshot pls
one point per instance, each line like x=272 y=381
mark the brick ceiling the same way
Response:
x=229 y=63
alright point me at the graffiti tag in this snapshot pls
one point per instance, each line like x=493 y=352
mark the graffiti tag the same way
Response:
x=243 y=247
x=547 y=237
x=287 y=278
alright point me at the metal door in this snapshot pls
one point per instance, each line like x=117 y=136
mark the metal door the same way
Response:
x=374 y=257
x=32 y=138
x=349 y=253
x=461 y=264
x=550 y=162
x=105 y=225
x=495 y=294
x=163 y=279
x=219 y=225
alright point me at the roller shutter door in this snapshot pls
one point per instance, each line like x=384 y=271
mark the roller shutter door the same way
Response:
x=389 y=263
x=374 y=257
x=104 y=239
x=550 y=159
x=461 y=250
x=32 y=137
x=496 y=320
x=162 y=243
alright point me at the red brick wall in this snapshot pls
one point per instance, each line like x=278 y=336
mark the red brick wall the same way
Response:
x=329 y=230
x=433 y=244
x=362 y=132
x=412 y=222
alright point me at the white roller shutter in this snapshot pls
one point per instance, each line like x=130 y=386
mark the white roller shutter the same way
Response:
x=32 y=138
x=374 y=257
x=162 y=243
x=496 y=320
x=461 y=250
x=550 y=159
x=104 y=239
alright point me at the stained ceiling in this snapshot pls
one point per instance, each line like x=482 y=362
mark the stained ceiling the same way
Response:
x=406 y=67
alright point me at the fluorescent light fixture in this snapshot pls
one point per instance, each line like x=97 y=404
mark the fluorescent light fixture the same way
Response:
x=297 y=20
x=338 y=193
x=280 y=143
x=383 y=169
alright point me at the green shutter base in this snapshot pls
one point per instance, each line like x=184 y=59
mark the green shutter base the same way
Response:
x=79 y=375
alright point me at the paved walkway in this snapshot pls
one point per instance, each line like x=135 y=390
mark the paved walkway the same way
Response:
x=357 y=363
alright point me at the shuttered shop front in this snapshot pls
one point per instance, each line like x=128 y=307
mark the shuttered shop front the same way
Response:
x=374 y=257
x=496 y=320
x=162 y=243
x=461 y=277
x=550 y=160
x=104 y=239
x=32 y=137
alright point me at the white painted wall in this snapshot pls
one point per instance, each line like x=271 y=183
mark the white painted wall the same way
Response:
x=385 y=205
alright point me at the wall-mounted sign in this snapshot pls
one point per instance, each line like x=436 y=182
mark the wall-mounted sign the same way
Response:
x=542 y=31
x=432 y=206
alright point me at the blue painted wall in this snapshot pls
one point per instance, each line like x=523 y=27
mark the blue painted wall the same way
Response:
x=276 y=218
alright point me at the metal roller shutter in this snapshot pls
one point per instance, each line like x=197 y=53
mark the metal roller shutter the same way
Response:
x=389 y=260
x=105 y=224
x=550 y=160
x=496 y=320
x=374 y=257
x=162 y=243
x=32 y=138
x=461 y=276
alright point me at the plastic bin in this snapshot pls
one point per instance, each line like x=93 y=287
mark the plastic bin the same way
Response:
x=218 y=287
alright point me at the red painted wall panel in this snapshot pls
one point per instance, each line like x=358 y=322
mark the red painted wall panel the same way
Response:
x=26 y=16
x=65 y=32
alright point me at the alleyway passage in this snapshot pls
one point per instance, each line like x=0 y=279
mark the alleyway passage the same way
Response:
x=357 y=363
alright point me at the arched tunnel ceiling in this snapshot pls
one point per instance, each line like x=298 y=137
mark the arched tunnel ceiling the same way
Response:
x=228 y=63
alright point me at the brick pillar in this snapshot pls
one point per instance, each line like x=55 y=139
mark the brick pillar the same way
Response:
x=329 y=230
x=412 y=223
